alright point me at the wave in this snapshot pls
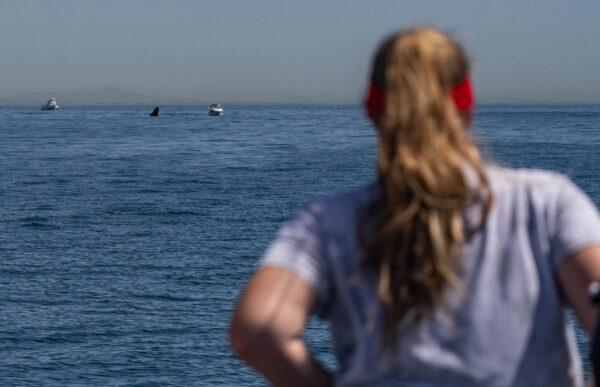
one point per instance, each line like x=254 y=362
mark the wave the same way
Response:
x=36 y=221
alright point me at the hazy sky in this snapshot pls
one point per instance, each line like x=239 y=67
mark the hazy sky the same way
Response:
x=286 y=51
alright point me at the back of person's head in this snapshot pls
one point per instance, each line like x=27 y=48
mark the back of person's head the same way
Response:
x=416 y=233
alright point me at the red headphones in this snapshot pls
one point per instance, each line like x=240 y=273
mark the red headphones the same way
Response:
x=462 y=94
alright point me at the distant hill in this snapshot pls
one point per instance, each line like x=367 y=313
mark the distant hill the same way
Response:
x=105 y=96
x=115 y=96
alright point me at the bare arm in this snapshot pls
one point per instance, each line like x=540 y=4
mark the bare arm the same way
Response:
x=267 y=326
x=575 y=275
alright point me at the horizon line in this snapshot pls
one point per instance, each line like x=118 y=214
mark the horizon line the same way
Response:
x=193 y=103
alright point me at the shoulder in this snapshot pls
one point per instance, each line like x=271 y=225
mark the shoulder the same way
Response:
x=332 y=213
x=524 y=177
x=352 y=198
x=541 y=184
x=340 y=207
x=549 y=197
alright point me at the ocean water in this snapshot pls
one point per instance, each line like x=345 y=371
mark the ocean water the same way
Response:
x=125 y=239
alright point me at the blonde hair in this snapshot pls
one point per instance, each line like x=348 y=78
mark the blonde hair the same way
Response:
x=416 y=231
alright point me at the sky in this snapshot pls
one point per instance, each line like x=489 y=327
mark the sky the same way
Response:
x=283 y=51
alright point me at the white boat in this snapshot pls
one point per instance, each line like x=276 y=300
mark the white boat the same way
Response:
x=215 y=110
x=50 y=105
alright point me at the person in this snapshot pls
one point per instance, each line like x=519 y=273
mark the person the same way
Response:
x=445 y=271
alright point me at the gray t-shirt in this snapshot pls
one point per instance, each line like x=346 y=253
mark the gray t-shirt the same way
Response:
x=505 y=326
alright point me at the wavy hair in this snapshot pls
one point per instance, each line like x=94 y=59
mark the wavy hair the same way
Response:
x=416 y=230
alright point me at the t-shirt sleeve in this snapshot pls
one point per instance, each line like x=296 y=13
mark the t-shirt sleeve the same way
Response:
x=577 y=223
x=299 y=247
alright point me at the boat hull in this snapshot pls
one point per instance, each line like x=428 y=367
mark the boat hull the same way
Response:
x=215 y=113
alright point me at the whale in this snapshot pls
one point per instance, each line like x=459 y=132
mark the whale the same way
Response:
x=154 y=112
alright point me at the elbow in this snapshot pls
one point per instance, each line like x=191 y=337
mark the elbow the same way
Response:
x=237 y=338
x=251 y=341
x=243 y=338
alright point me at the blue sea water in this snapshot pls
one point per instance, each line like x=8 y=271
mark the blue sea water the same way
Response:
x=126 y=239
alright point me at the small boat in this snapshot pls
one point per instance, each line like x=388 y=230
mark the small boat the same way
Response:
x=50 y=104
x=215 y=110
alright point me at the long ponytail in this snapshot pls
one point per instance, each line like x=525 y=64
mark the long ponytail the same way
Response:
x=417 y=232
